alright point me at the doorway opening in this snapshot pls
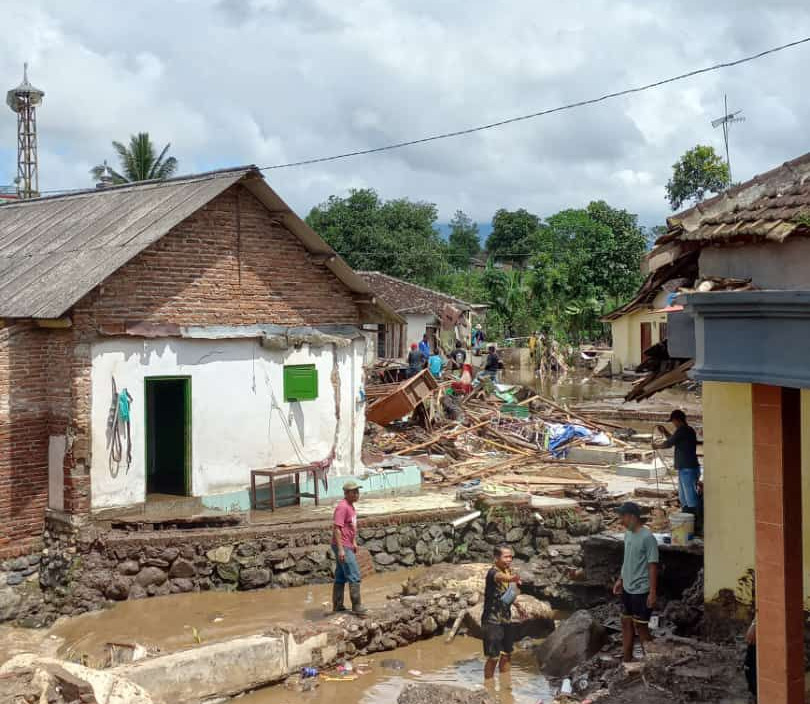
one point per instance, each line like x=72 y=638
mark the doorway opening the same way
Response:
x=168 y=435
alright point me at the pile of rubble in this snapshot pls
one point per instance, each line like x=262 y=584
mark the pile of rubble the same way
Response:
x=504 y=436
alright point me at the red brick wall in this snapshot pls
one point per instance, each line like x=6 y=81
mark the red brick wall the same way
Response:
x=230 y=263
x=23 y=437
x=208 y=271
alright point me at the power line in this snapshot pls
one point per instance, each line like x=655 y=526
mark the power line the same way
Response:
x=549 y=111
x=521 y=118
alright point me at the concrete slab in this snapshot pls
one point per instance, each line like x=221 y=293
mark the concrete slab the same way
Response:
x=216 y=670
x=549 y=503
x=643 y=470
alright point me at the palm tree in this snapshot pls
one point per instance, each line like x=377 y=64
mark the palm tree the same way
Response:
x=138 y=162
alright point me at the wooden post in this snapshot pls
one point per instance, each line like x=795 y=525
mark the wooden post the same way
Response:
x=779 y=561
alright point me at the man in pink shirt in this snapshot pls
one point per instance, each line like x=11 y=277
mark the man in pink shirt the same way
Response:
x=344 y=545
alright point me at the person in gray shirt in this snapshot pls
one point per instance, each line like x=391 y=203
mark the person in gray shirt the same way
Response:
x=638 y=584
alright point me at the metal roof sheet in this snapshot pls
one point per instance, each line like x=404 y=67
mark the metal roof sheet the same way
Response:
x=55 y=250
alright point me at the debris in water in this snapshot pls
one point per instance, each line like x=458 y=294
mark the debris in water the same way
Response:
x=392 y=664
x=415 y=673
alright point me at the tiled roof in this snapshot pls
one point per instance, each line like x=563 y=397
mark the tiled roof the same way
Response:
x=768 y=206
x=406 y=298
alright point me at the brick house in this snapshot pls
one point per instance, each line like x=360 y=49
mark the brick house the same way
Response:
x=425 y=310
x=232 y=328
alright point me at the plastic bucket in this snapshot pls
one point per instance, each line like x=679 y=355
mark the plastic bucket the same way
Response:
x=682 y=526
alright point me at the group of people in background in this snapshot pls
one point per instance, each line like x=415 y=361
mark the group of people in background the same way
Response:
x=423 y=355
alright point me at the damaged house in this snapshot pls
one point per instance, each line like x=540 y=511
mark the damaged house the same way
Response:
x=425 y=311
x=165 y=338
x=745 y=328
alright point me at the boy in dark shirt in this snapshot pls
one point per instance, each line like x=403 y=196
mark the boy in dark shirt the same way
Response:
x=684 y=440
x=496 y=619
x=492 y=364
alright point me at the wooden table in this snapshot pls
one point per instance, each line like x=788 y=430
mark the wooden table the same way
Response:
x=274 y=473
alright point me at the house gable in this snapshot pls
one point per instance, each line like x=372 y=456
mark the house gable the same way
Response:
x=232 y=262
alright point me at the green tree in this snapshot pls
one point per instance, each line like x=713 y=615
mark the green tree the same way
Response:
x=464 y=240
x=396 y=237
x=138 y=161
x=699 y=171
x=511 y=234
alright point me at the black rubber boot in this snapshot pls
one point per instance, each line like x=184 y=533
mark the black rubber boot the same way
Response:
x=338 y=592
x=357 y=603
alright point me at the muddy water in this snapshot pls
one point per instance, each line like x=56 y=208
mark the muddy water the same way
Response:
x=460 y=664
x=181 y=621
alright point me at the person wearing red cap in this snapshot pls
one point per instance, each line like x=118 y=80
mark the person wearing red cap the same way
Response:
x=415 y=361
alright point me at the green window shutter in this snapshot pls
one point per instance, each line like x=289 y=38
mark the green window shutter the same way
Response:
x=300 y=382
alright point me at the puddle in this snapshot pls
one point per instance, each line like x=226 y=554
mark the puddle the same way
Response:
x=460 y=664
x=181 y=621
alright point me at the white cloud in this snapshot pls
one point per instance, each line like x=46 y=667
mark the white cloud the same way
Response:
x=268 y=81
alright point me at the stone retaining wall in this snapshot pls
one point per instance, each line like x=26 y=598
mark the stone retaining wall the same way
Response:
x=88 y=567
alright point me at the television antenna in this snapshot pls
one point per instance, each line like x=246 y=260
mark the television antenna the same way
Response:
x=728 y=119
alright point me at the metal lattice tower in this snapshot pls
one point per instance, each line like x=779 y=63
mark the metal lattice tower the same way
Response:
x=24 y=100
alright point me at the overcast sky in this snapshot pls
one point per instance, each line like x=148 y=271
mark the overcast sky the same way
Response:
x=231 y=82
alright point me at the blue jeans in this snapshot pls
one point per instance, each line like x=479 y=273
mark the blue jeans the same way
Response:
x=348 y=570
x=687 y=487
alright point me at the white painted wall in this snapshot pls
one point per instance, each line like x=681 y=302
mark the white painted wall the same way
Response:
x=235 y=426
x=416 y=327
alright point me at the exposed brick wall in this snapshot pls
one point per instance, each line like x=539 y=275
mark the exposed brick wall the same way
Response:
x=231 y=263
x=24 y=419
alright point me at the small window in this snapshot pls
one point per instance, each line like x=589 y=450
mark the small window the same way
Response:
x=300 y=382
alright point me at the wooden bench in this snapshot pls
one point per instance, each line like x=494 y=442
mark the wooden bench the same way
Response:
x=274 y=473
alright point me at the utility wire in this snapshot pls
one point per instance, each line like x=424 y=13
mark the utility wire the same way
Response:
x=549 y=111
x=521 y=118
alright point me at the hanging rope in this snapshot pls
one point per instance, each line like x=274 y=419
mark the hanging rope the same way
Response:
x=122 y=403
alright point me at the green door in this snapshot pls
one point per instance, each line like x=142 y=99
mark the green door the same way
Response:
x=168 y=435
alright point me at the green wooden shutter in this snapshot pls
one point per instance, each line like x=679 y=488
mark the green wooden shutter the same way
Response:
x=300 y=382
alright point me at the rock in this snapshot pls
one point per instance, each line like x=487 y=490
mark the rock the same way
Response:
x=228 y=572
x=436 y=532
x=429 y=625
x=9 y=604
x=129 y=567
x=374 y=546
x=156 y=562
x=392 y=544
x=19 y=563
x=246 y=549
x=442 y=694
x=136 y=591
x=180 y=586
x=422 y=549
x=531 y=618
x=254 y=577
x=149 y=576
x=182 y=569
x=221 y=555
x=407 y=557
x=14 y=578
x=514 y=535
x=170 y=554
x=384 y=559
x=117 y=589
x=578 y=638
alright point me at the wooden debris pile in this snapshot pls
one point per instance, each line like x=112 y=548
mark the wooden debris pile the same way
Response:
x=481 y=440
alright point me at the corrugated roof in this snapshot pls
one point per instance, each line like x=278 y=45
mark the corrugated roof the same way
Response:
x=55 y=250
x=405 y=297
